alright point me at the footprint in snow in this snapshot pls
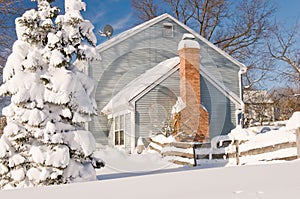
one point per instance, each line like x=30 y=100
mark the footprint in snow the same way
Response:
x=238 y=192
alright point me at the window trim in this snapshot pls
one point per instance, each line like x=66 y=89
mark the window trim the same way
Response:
x=168 y=26
x=118 y=130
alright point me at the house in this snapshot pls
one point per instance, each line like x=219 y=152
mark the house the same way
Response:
x=138 y=82
x=259 y=107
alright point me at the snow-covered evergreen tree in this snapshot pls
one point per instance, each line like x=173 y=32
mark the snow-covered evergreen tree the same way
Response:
x=45 y=141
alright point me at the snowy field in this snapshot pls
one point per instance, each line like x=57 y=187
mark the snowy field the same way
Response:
x=268 y=181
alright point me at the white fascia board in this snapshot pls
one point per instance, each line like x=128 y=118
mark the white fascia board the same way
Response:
x=132 y=132
x=129 y=33
x=121 y=111
x=149 y=88
x=130 y=106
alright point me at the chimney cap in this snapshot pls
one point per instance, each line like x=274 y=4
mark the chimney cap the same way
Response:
x=188 y=41
x=188 y=36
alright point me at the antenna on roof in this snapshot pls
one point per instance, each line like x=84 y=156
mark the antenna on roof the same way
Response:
x=108 y=31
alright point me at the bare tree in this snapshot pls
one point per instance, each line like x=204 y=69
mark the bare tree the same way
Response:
x=250 y=23
x=259 y=107
x=286 y=102
x=230 y=25
x=240 y=28
x=145 y=9
x=283 y=47
x=209 y=14
x=183 y=10
x=259 y=69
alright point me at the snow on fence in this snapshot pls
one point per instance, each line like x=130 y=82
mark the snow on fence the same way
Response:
x=298 y=142
x=176 y=152
x=282 y=151
x=276 y=145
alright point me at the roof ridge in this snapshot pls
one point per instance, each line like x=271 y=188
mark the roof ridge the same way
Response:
x=130 y=32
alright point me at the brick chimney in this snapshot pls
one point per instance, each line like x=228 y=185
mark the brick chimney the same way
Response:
x=194 y=119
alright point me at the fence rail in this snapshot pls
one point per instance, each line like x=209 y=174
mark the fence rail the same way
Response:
x=189 y=153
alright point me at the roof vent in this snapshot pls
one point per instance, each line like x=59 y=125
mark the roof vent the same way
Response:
x=168 y=30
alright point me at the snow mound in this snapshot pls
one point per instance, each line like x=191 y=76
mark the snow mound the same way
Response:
x=120 y=161
x=240 y=134
x=294 y=121
x=163 y=139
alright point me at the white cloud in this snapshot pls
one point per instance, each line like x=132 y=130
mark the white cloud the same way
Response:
x=95 y=18
x=122 y=23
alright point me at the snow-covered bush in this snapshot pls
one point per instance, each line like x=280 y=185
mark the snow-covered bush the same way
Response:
x=45 y=141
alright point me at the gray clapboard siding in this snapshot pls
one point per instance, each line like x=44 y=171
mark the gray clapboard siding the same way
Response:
x=155 y=107
x=128 y=59
x=221 y=114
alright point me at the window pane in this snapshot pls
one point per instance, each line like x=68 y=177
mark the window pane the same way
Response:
x=122 y=137
x=117 y=138
x=122 y=122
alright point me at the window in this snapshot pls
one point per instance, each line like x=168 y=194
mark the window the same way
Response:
x=168 y=30
x=119 y=130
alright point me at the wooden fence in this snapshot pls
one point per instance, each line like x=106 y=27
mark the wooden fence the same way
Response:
x=298 y=142
x=176 y=152
x=189 y=153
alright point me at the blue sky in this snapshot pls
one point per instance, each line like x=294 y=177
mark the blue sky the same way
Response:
x=288 y=9
x=121 y=16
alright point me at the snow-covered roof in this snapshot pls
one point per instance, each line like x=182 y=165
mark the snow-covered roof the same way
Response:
x=125 y=99
x=122 y=100
x=188 y=41
x=129 y=33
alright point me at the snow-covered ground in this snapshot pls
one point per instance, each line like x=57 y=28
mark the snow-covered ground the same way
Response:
x=268 y=181
x=119 y=163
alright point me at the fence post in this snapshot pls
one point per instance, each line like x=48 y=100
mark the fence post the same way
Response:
x=298 y=141
x=195 y=155
x=237 y=152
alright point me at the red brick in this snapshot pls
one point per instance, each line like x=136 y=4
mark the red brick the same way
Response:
x=194 y=120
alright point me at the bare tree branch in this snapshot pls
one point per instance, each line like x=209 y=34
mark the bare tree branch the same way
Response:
x=282 y=47
x=249 y=25
x=145 y=9
x=240 y=28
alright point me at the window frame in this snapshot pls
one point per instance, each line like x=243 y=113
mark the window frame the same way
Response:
x=119 y=130
x=168 y=30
